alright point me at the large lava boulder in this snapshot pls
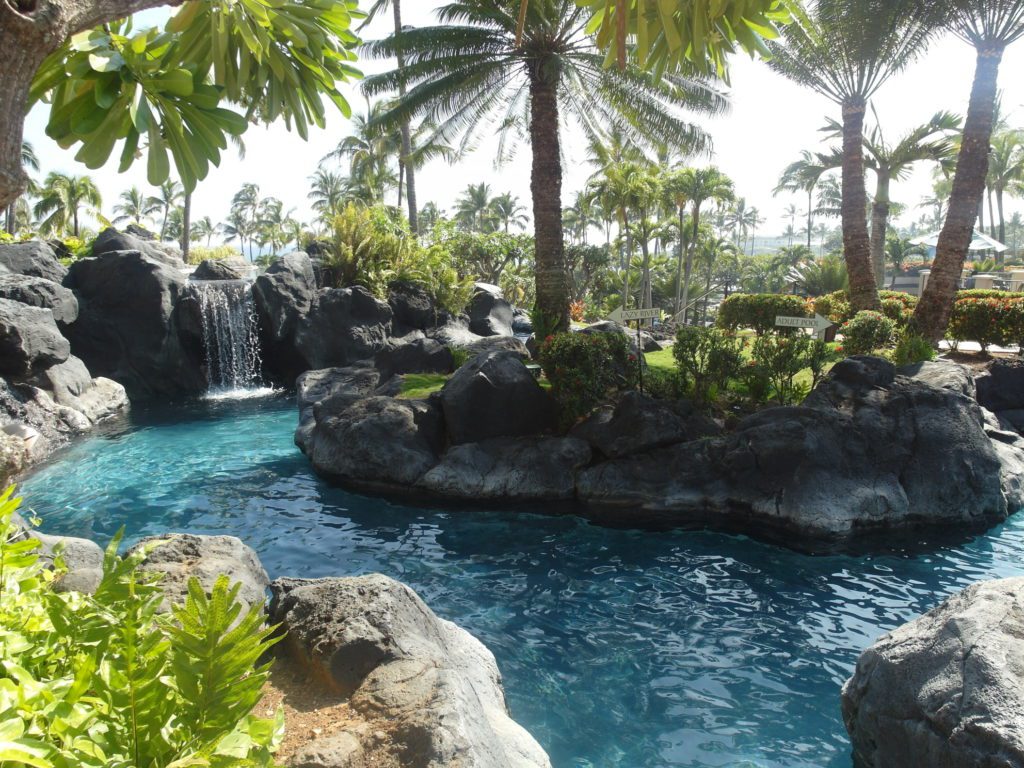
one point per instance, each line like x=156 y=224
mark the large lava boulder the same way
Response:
x=112 y=241
x=944 y=691
x=282 y=296
x=489 y=313
x=494 y=395
x=639 y=423
x=509 y=469
x=1001 y=387
x=138 y=325
x=42 y=293
x=336 y=388
x=71 y=385
x=870 y=452
x=373 y=640
x=375 y=442
x=29 y=339
x=412 y=307
x=34 y=259
x=343 y=325
x=216 y=269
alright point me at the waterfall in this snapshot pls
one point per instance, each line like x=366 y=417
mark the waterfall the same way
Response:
x=230 y=335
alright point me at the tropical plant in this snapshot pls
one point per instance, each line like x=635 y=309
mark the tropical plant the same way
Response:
x=695 y=186
x=990 y=26
x=203 y=229
x=508 y=212
x=473 y=206
x=327 y=193
x=487 y=60
x=846 y=50
x=584 y=369
x=803 y=176
x=898 y=250
x=867 y=331
x=61 y=201
x=708 y=359
x=169 y=197
x=29 y=161
x=107 y=679
x=134 y=206
x=758 y=311
x=164 y=90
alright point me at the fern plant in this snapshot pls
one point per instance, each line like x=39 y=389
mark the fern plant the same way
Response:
x=108 y=680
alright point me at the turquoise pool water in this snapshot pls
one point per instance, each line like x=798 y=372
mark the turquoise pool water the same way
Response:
x=619 y=648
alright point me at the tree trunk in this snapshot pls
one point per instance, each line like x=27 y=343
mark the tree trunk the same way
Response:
x=29 y=31
x=932 y=314
x=11 y=213
x=679 y=266
x=186 y=226
x=546 y=189
x=856 y=245
x=810 y=215
x=627 y=262
x=991 y=215
x=407 y=147
x=688 y=268
x=1002 y=222
x=879 y=225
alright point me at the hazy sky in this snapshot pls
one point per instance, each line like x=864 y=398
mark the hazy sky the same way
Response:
x=771 y=121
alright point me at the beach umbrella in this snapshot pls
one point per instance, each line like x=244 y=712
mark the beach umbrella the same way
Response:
x=981 y=242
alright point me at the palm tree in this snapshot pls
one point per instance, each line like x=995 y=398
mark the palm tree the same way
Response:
x=803 y=175
x=406 y=166
x=369 y=151
x=898 y=250
x=29 y=161
x=753 y=221
x=990 y=26
x=697 y=186
x=507 y=210
x=327 y=193
x=893 y=162
x=170 y=194
x=203 y=229
x=486 y=65
x=472 y=207
x=846 y=50
x=61 y=199
x=1006 y=170
x=134 y=206
x=429 y=216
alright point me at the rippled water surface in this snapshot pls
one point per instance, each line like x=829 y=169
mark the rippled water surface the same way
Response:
x=619 y=648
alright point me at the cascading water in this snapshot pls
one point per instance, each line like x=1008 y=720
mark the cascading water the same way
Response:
x=231 y=337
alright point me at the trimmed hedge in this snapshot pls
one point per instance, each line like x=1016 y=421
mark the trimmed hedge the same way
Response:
x=987 y=320
x=584 y=369
x=896 y=305
x=759 y=310
x=866 y=332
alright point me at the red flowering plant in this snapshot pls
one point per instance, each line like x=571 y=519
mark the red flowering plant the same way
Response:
x=866 y=332
x=585 y=369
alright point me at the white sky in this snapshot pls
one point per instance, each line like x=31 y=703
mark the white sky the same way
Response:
x=771 y=121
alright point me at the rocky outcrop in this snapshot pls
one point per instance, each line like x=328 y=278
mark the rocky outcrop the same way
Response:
x=373 y=640
x=29 y=339
x=417 y=356
x=34 y=259
x=413 y=309
x=944 y=690
x=497 y=344
x=343 y=325
x=72 y=386
x=216 y=269
x=42 y=293
x=139 y=324
x=494 y=395
x=505 y=469
x=111 y=241
x=180 y=557
x=489 y=313
x=454 y=333
x=283 y=295
x=1001 y=390
x=868 y=453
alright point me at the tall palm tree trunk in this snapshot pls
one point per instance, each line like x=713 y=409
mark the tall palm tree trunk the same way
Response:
x=1002 y=223
x=407 y=148
x=856 y=245
x=688 y=268
x=626 y=261
x=74 y=218
x=186 y=225
x=679 y=267
x=546 y=189
x=10 y=217
x=932 y=314
x=879 y=226
x=810 y=215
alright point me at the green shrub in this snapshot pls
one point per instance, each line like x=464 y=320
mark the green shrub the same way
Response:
x=107 y=680
x=988 y=321
x=866 y=332
x=584 y=369
x=199 y=253
x=759 y=310
x=835 y=306
x=663 y=385
x=459 y=356
x=776 y=362
x=987 y=293
x=911 y=349
x=898 y=307
x=369 y=248
x=708 y=359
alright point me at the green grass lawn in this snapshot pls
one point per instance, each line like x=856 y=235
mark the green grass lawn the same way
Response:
x=416 y=386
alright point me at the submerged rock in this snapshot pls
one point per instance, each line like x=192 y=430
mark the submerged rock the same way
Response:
x=944 y=690
x=373 y=640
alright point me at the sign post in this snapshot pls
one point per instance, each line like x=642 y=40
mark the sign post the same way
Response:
x=818 y=324
x=624 y=316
